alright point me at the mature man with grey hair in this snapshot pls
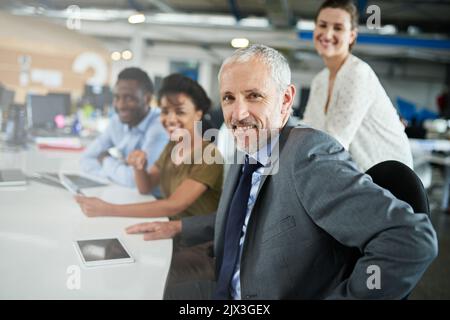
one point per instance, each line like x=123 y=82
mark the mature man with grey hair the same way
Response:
x=316 y=228
x=277 y=63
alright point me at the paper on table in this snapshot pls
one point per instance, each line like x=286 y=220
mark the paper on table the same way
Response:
x=59 y=143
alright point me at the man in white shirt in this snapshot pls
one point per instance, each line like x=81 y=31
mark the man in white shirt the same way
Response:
x=135 y=126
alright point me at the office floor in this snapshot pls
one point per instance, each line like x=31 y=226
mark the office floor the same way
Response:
x=435 y=283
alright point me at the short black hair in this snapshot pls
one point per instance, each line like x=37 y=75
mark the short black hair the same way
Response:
x=140 y=76
x=177 y=83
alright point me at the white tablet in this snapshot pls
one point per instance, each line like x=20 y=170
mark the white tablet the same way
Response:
x=98 y=252
x=69 y=185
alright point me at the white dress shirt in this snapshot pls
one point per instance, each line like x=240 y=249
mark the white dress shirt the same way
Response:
x=360 y=115
x=263 y=157
x=149 y=135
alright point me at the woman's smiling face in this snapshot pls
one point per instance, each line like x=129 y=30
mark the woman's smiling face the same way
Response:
x=333 y=33
x=179 y=112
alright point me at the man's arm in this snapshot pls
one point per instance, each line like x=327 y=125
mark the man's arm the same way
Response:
x=118 y=171
x=96 y=151
x=357 y=213
x=97 y=161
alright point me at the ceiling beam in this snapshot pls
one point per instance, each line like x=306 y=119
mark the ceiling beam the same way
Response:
x=235 y=9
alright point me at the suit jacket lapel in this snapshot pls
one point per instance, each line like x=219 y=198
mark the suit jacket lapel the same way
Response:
x=230 y=186
x=275 y=157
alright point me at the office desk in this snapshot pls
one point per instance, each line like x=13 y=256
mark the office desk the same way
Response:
x=38 y=224
x=422 y=150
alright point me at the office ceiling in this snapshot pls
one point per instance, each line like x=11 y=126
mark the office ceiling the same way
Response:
x=213 y=23
x=426 y=16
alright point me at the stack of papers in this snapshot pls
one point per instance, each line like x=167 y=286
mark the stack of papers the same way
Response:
x=71 y=144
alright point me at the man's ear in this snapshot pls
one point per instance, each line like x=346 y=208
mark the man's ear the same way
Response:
x=288 y=100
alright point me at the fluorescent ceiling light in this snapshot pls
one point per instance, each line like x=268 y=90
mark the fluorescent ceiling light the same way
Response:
x=83 y=14
x=305 y=24
x=388 y=29
x=254 y=22
x=116 y=55
x=136 y=18
x=127 y=55
x=177 y=18
x=239 y=43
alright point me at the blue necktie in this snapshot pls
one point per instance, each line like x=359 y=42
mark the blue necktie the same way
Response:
x=233 y=229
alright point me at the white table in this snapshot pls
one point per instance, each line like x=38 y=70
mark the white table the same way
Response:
x=422 y=150
x=38 y=224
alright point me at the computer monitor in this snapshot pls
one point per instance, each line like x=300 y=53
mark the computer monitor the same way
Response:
x=42 y=110
x=6 y=98
x=61 y=98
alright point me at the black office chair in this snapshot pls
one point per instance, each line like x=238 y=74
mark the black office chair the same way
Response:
x=402 y=182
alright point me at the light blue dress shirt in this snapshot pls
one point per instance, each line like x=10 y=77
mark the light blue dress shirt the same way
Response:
x=149 y=135
x=263 y=158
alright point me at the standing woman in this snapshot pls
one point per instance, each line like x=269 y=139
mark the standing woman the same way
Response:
x=346 y=99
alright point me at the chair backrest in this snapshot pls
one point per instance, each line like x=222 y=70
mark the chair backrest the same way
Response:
x=402 y=182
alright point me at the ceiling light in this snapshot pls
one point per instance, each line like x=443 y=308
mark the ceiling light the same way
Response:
x=239 y=43
x=116 y=55
x=388 y=29
x=305 y=25
x=136 y=18
x=254 y=22
x=202 y=19
x=127 y=55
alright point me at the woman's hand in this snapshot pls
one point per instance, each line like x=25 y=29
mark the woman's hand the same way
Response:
x=137 y=159
x=156 y=230
x=94 y=207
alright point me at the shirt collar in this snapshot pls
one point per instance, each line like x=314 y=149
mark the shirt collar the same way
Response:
x=262 y=156
x=143 y=125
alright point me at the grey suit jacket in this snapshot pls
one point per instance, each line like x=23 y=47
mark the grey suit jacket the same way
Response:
x=319 y=225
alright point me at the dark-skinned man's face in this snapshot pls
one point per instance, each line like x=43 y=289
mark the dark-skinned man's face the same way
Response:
x=130 y=102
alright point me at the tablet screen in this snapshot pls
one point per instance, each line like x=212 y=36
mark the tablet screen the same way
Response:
x=102 y=249
x=83 y=182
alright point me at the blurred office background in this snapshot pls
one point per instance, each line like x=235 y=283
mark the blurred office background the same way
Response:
x=59 y=61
